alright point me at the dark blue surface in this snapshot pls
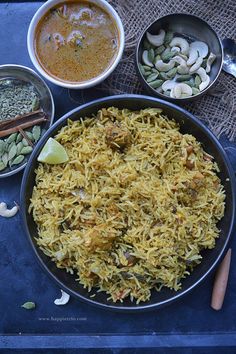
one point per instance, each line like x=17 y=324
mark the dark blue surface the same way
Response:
x=190 y=323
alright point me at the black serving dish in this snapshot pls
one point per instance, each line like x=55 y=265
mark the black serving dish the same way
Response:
x=189 y=27
x=188 y=124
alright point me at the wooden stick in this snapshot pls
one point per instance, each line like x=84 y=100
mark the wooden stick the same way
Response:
x=220 y=283
x=21 y=126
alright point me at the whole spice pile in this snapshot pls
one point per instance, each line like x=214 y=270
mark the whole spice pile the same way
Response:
x=17 y=98
x=20 y=119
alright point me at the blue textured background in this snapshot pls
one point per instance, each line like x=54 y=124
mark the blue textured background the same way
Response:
x=190 y=323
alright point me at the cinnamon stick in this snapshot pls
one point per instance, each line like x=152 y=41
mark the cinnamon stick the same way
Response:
x=18 y=119
x=22 y=126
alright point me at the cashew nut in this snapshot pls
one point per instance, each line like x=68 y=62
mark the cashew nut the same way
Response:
x=180 y=42
x=202 y=73
x=193 y=55
x=167 y=50
x=210 y=61
x=158 y=39
x=180 y=89
x=8 y=213
x=197 y=65
x=175 y=49
x=204 y=84
x=63 y=300
x=200 y=47
x=161 y=66
x=145 y=58
x=182 y=68
x=168 y=85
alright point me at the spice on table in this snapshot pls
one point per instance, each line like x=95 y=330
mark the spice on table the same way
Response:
x=63 y=299
x=8 y=213
x=29 y=305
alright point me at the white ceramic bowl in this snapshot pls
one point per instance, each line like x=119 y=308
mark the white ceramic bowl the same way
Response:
x=80 y=85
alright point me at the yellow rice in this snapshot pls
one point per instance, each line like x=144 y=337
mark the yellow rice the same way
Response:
x=132 y=219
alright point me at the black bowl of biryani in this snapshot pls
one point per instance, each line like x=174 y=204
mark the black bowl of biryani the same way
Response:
x=141 y=212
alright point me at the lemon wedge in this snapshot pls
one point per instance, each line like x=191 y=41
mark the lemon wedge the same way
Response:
x=53 y=153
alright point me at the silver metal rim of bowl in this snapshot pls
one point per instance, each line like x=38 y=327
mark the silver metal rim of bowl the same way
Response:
x=165 y=97
x=32 y=72
x=84 y=84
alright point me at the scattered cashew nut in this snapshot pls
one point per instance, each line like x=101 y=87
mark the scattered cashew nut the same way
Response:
x=161 y=66
x=8 y=213
x=158 y=39
x=200 y=47
x=146 y=59
x=180 y=42
x=196 y=66
x=180 y=89
x=210 y=61
x=63 y=300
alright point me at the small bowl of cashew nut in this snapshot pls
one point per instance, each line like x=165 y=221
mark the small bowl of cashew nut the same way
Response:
x=179 y=57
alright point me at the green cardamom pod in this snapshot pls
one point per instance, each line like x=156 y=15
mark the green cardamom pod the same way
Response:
x=195 y=90
x=167 y=56
x=197 y=81
x=155 y=84
x=12 y=152
x=5 y=158
x=189 y=83
x=147 y=73
x=19 y=147
x=19 y=138
x=30 y=135
x=29 y=305
x=35 y=104
x=152 y=77
x=141 y=68
x=2 y=165
x=168 y=37
x=155 y=71
x=2 y=146
x=26 y=150
x=160 y=49
x=25 y=142
x=146 y=67
x=171 y=73
x=17 y=160
x=151 y=55
x=183 y=78
x=36 y=131
x=163 y=76
x=11 y=138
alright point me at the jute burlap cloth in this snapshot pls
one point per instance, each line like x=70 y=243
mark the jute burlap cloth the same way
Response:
x=218 y=108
